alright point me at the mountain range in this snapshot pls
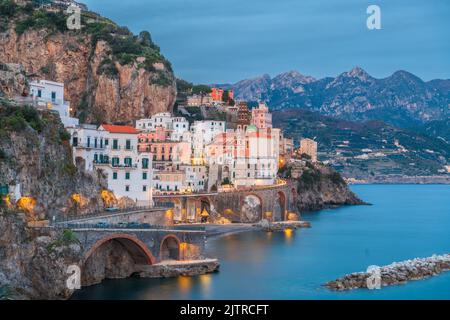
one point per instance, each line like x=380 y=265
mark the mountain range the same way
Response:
x=401 y=99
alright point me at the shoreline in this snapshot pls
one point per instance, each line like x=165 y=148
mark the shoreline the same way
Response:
x=215 y=231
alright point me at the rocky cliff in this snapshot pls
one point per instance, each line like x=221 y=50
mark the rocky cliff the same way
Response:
x=110 y=75
x=319 y=187
x=35 y=156
x=33 y=262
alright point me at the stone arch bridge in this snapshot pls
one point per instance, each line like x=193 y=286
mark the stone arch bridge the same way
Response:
x=249 y=204
x=121 y=252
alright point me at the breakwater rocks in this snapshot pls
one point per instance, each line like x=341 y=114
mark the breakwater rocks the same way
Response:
x=395 y=273
x=179 y=268
x=281 y=226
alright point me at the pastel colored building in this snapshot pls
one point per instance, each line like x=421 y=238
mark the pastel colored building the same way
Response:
x=169 y=181
x=244 y=157
x=174 y=126
x=217 y=94
x=261 y=117
x=309 y=147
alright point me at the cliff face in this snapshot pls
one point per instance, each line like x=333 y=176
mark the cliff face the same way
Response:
x=106 y=79
x=33 y=262
x=320 y=187
x=35 y=154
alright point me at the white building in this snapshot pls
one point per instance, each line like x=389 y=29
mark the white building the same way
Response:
x=196 y=177
x=89 y=144
x=203 y=133
x=129 y=172
x=50 y=95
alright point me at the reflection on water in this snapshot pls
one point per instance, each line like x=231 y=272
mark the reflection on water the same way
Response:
x=404 y=222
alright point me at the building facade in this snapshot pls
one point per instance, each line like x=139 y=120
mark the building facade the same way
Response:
x=50 y=95
x=261 y=117
x=309 y=147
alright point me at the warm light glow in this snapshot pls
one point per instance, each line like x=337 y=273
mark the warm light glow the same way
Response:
x=292 y=216
x=27 y=204
x=184 y=283
x=7 y=201
x=108 y=198
x=205 y=213
x=228 y=211
x=205 y=281
x=184 y=251
x=288 y=233
x=169 y=214
x=281 y=163
x=79 y=199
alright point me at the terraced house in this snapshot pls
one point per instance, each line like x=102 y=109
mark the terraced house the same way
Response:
x=129 y=172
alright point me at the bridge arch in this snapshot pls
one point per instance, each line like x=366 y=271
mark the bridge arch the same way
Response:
x=170 y=248
x=137 y=249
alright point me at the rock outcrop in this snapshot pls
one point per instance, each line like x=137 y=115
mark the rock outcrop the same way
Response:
x=319 y=187
x=13 y=81
x=395 y=273
x=34 y=262
x=109 y=74
x=168 y=270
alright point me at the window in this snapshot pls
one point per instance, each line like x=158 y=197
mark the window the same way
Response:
x=144 y=188
x=95 y=142
x=106 y=142
x=144 y=175
x=95 y=158
x=114 y=175
x=145 y=163
x=128 y=144
x=53 y=96
x=39 y=94
x=115 y=161
x=115 y=144
x=127 y=161
x=88 y=142
x=127 y=188
x=127 y=176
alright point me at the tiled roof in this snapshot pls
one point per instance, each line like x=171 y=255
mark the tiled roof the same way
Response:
x=119 y=129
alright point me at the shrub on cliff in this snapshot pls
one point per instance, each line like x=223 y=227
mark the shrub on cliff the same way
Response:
x=7 y=8
x=17 y=118
x=40 y=19
x=66 y=238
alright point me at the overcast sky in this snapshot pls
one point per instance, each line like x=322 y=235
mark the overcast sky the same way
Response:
x=212 y=41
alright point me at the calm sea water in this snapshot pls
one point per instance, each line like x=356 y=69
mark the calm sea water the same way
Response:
x=405 y=221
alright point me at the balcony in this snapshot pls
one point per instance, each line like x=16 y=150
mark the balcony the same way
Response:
x=115 y=165
x=90 y=146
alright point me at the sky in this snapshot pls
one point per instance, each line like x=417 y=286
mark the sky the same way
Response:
x=218 y=41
